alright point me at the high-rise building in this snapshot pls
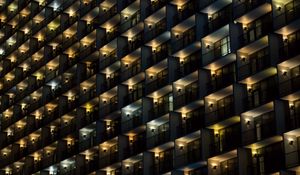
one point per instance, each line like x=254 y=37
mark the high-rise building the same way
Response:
x=132 y=87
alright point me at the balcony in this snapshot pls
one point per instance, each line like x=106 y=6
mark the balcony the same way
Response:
x=131 y=70
x=268 y=159
x=88 y=141
x=160 y=109
x=288 y=13
x=112 y=106
x=187 y=153
x=163 y=162
x=290 y=46
x=109 y=159
x=222 y=112
x=256 y=30
x=182 y=40
x=154 y=31
x=158 y=54
x=260 y=95
x=154 y=6
x=137 y=144
x=134 y=95
x=188 y=65
x=219 y=19
x=218 y=49
x=189 y=94
x=111 y=81
x=230 y=167
x=292 y=149
x=162 y=136
x=221 y=78
x=243 y=7
x=158 y=139
x=289 y=86
x=226 y=139
x=161 y=81
x=264 y=126
x=254 y=64
x=132 y=122
x=106 y=12
x=191 y=121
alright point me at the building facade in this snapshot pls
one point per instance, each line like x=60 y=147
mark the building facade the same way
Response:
x=132 y=87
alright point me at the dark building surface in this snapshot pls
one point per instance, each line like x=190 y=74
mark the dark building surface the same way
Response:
x=132 y=87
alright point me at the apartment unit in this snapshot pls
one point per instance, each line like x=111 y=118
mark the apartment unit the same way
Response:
x=149 y=87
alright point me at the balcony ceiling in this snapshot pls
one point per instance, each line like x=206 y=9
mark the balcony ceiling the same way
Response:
x=132 y=32
x=162 y=148
x=290 y=28
x=265 y=142
x=159 y=40
x=225 y=123
x=259 y=110
x=185 y=25
x=259 y=76
x=255 y=13
x=221 y=93
x=217 y=35
x=132 y=8
x=157 y=16
x=190 y=137
x=255 y=46
x=108 y=3
x=189 y=50
x=224 y=157
x=187 y=79
x=216 y=6
x=229 y=58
